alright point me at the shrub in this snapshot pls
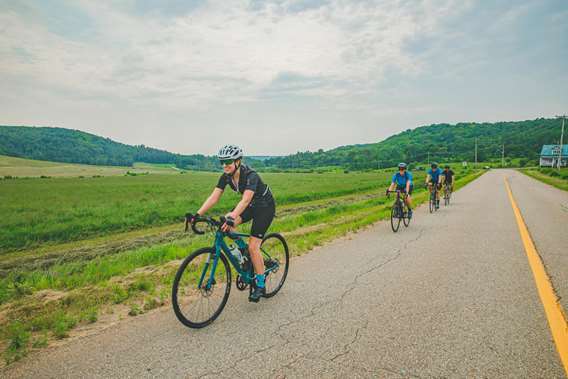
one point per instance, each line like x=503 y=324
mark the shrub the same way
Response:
x=141 y=285
x=63 y=323
x=40 y=342
x=119 y=294
x=134 y=310
x=19 y=339
x=150 y=303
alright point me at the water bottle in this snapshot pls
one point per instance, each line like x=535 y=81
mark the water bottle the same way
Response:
x=236 y=252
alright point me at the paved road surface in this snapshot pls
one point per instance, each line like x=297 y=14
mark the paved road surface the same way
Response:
x=451 y=296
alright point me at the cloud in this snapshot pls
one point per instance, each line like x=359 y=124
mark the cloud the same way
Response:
x=198 y=52
x=364 y=66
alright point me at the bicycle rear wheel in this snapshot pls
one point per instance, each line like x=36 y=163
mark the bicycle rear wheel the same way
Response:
x=197 y=306
x=276 y=261
x=395 y=217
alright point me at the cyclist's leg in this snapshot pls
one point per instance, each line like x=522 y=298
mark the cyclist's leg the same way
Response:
x=408 y=200
x=261 y=221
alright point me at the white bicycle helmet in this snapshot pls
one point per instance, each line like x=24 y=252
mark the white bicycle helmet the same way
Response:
x=230 y=152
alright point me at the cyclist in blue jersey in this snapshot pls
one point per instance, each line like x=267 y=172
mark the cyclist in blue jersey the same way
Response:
x=257 y=204
x=434 y=177
x=402 y=180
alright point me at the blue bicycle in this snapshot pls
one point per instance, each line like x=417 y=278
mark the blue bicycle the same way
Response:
x=202 y=283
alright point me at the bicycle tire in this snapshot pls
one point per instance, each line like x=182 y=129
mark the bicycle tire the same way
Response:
x=395 y=216
x=276 y=244
x=405 y=218
x=192 y=277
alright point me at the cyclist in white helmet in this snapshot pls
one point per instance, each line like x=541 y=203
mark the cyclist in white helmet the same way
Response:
x=257 y=204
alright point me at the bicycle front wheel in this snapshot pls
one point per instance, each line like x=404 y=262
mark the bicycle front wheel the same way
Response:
x=196 y=302
x=395 y=217
x=276 y=261
x=432 y=203
x=405 y=218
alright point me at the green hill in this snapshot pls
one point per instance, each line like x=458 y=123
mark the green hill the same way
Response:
x=74 y=146
x=439 y=142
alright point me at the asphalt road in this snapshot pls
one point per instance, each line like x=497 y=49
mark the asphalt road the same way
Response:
x=450 y=296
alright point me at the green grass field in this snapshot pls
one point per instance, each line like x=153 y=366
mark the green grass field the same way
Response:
x=56 y=210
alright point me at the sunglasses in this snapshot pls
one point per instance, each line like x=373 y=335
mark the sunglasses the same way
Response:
x=227 y=162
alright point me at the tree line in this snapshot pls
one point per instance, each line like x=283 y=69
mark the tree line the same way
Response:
x=437 y=142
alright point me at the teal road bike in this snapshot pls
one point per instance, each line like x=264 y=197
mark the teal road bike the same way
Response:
x=202 y=283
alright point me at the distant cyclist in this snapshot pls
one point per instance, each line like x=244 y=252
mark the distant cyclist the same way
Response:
x=257 y=204
x=434 y=178
x=402 y=180
x=448 y=177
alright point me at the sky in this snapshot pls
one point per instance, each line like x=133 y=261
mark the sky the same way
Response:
x=281 y=76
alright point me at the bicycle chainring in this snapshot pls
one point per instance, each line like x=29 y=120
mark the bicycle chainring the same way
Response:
x=241 y=285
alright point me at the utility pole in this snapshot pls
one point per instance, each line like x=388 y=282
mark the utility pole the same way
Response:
x=503 y=156
x=561 y=142
x=428 y=158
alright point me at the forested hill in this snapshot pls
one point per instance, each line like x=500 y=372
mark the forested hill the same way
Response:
x=442 y=142
x=74 y=146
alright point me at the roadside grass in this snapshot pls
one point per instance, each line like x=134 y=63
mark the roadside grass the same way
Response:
x=40 y=305
x=558 y=179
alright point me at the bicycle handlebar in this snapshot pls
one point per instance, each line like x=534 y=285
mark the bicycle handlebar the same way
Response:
x=207 y=220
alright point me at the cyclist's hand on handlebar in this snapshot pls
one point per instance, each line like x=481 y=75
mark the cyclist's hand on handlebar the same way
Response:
x=190 y=219
x=229 y=222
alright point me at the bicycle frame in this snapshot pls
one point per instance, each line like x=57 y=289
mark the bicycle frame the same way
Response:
x=220 y=246
x=434 y=190
x=400 y=198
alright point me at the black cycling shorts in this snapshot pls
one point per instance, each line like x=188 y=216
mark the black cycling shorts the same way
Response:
x=403 y=189
x=261 y=218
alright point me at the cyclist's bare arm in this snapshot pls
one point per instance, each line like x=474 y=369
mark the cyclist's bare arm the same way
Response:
x=211 y=201
x=391 y=188
x=243 y=204
x=428 y=178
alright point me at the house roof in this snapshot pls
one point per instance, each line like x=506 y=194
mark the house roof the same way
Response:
x=552 y=151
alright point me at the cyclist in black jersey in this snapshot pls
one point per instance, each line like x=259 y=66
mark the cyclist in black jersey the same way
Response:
x=448 y=177
x=257 y=204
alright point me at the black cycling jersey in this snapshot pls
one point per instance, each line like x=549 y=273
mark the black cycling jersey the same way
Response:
x=448 y=175
x=249 y=180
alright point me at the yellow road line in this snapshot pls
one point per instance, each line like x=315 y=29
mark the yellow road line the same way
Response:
x=552 y=307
